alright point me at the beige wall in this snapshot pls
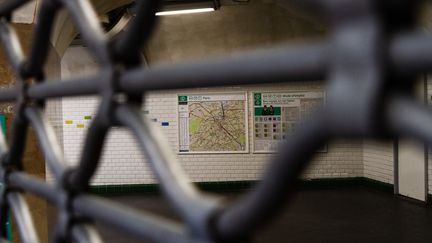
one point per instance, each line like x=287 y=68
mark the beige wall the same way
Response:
x=231 y=29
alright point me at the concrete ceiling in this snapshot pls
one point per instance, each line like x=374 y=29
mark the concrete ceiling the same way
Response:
x=64 y=30
x=294 y=8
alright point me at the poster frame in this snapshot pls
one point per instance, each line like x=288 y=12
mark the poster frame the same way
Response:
x=246 y=108
x=324 y=149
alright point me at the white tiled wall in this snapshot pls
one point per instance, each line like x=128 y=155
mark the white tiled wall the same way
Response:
x=429 y=102
x=123 y=163
x=342 y=160
x=378 y=156
x=378 y=161
x=430 y=170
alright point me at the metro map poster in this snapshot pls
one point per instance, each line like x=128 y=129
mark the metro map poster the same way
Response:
x=213 y=123
x=277 y=114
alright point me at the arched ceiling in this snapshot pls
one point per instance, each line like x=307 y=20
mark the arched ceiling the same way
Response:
x=64 y=30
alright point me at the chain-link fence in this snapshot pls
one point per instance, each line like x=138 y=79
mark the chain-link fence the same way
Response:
x=369 y=63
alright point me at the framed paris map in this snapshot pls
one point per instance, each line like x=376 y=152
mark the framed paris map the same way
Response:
x=213 y=123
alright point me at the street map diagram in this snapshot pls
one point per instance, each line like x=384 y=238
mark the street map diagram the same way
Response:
x=212 y=123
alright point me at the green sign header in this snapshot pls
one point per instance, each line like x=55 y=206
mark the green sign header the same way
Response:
x=182 y=98
x=257 y=99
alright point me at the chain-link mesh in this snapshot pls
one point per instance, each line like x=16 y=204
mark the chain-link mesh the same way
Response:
x=369 y=61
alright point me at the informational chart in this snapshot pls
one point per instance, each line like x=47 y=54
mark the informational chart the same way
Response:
x=213 y=123
x=277 y=114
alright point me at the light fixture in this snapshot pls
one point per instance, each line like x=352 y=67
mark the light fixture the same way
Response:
x=175 y=7
x=185 y=11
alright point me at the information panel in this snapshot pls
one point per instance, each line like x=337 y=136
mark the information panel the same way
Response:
x=276 y=115
x=213 y=123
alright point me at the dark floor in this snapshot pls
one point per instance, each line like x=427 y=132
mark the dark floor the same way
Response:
x=356 y=214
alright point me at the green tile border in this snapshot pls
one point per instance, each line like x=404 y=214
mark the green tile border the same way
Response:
x=382 y=186
x=154 y=188
x=327 y=183
x=232 y=186
x=245 y=185
x=226 y=186
x=125 y=188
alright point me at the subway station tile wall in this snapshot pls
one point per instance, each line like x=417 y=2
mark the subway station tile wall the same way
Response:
x=181 y=38
x=123 y=163
x=429 y=102
x=378 y=161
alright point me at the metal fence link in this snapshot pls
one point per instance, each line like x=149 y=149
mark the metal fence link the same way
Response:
x=373 y=54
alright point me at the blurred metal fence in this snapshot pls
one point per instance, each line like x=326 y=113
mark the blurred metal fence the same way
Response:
x=369 y=62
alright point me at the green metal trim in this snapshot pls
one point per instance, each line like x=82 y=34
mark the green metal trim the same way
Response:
x=8 y=222
x=3 y=123
x=9 y=228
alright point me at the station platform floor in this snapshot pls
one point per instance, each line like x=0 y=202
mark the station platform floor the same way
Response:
x=338 y=215
x=354 y=214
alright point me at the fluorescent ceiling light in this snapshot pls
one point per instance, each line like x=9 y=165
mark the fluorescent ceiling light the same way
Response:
x=185 y=11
